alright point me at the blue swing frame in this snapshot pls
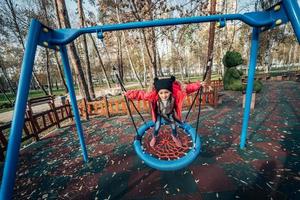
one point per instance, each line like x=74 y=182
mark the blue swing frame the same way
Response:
x=283 y=12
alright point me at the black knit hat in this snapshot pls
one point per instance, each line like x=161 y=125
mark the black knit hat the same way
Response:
x=165 y=83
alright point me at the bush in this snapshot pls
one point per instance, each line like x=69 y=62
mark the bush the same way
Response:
x=232 y=77
x=236 y=86
x=257 y=86
x=232 y=59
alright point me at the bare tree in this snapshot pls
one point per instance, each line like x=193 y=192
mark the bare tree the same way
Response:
x=86 y=53
x=101 y=62
x=3 y=69
x=128 y=53
x=63 y=18
x=151 y=48
x=211 y=40
x=18 y=34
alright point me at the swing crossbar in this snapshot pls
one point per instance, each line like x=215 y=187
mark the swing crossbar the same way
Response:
x=264 y=20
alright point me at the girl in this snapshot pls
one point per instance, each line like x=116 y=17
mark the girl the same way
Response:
x=166 y=100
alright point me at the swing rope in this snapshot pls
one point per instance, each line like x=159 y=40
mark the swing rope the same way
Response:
x=199 y=92
x=124 y=90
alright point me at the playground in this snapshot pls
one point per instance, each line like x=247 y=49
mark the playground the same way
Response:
x=268 y=168
x=234 y=137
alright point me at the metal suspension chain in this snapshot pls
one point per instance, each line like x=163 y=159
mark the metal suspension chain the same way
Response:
x=200 y=92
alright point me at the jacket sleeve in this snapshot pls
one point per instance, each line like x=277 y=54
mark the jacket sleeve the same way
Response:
x=192 y=87
x=140 y=95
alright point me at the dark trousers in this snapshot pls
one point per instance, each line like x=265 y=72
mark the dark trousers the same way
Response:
x=170 y=119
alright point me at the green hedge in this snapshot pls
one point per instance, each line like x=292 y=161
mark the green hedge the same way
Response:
x=232 y=59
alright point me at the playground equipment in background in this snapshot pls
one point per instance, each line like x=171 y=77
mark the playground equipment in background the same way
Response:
x=281 y=13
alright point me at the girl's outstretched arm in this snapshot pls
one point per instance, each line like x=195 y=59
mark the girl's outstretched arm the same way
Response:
x=192 y=87
x=141 y=95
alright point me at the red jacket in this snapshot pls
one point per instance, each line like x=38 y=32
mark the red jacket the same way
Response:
x=178 y=93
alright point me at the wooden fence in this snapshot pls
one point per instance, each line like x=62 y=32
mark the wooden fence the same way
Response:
x=36 y=123
x=276 y=76
x=117 y=106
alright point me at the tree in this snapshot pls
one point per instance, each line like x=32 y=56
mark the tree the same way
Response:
x=19 y=35
x=86 y=53
x=146 y=9
x=63 y=19
x=47 y=19
x=127 y=51
x=101 y=62
x=211 y=39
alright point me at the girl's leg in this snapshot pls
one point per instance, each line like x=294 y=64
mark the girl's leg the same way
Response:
x=174 y=133
x=157 y=125
x=155 y=133
x=173 y=126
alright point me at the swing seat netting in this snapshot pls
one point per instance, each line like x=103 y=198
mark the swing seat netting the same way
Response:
x=165 y=155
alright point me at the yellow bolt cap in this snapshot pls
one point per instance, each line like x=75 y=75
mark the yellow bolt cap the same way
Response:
x=277 y=7
x=278 y=21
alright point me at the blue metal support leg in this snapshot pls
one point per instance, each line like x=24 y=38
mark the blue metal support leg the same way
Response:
x=12 y=155
x=251 y=73
x=70 y=85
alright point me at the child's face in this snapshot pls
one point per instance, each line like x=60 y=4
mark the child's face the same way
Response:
x=164 y=94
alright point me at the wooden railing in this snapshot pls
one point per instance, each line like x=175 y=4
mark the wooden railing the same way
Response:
x=276 y=76
x=116 y=106
x=36 y=123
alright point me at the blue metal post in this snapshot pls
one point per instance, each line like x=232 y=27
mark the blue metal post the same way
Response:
x=70 y=85
x=251 y=73
x=293 y=12
x=12 y=155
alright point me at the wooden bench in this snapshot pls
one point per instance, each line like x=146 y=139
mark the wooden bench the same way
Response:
x=53 y=117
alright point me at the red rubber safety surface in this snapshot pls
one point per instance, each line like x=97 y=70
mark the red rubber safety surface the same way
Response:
x=165 y=148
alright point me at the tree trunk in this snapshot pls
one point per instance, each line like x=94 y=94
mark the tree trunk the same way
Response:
x=154 y=56
x=120 y=56
x=86 y=53
x=63 y=18
x=7 y=79
x=180 y=62
x=48 y=72
x=60 y=72
x=209 y=59
x=143 y=59
x=186 y=66
x=151 y=51
x=14 y=17
x=131 y=64
x=268 y=57
x=101 y=62
x=292 y=49
x=43 y=7
x=7 y=98
x=39 y=83
x=159 y=63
